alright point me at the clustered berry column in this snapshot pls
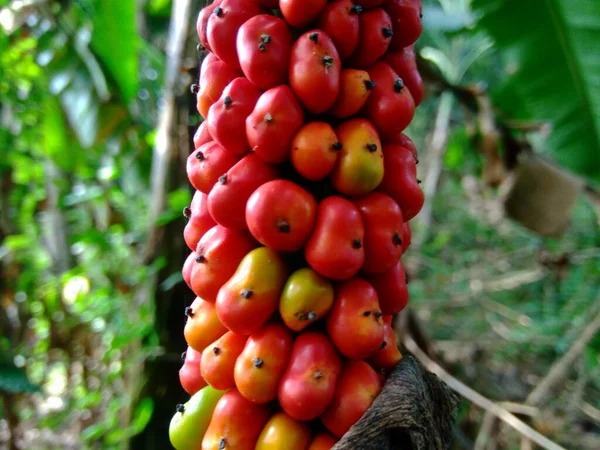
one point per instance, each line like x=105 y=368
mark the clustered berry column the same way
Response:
x=305 y=185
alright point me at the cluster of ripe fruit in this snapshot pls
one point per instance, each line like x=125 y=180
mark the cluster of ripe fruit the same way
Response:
x=305 y=185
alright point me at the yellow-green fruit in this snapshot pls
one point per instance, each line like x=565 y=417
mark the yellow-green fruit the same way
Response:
x=191 y=420
x=306 y=298
x=283 y=432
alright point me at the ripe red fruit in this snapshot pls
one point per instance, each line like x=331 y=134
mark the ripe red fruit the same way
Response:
x=340 y=21
x=406 y=236
x=375 y=37
x=199 y=222
x=213 y=81
x=391 y=289
x=227 y=199
x=308 y=383
x=300 y=13
x=272 y=125
x=404 y=64
x=358 y=386
x=202 y=136
x=355 y=308
x=400 y=180
x=236 y=423
x=355 y=87
x=315 y=149
x=218 y=360
x=202 y=326
x=223 y=25
x=207 y=163
x=390 y=105
x=264 y=44
x=406 y=20
x=227 y=116
x=383 y=223
x=206 y=61
x=404 y=141
x=189 y=375
x=367 y=4
x=202 y=23
x=186 y=271
x=262 y=362
x=281 y=215
x=335 y=248
x=218 y=254
x=388 y=356
x=315 y=71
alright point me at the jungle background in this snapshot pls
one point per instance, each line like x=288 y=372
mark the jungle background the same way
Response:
x=96 y=119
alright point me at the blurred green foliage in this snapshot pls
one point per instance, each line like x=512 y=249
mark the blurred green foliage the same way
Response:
x=81 y=88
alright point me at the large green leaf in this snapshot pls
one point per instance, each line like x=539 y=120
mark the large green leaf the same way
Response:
x=116 y=42
x=553 y=46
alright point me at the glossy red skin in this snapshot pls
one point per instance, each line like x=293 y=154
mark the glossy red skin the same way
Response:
x=237 y=421
x=390 y=105
x=199 y=222
x=222 y=29
x=308 y=383
x=391 y=289
x=314 y=82
x=213 y=82
x=227 y=199
x=383 y=223
x=314 y=150
x=375 y=37
x=227 y=116
x=262 y=362
x=300 y=13
x=202 y=136
x=356 y=308
x=355 y=89
x=220 y=250
x=322 y=441
x=387 y=357
x=406 y=20
x=188 y=265
x=404 y=64
x=273 y=124
x=335 y=248
x=358 y=386
x=206 y=61
x=367 y=4
x=404 y=141
x=406 y=236
x=202 y=23
x=400 y=180
x=281 y=215
x=340 y=21
x=218 y=360
x=206 y=164
x=265 y=64
x=189 y=375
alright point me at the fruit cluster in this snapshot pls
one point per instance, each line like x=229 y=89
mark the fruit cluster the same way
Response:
x=305 y=184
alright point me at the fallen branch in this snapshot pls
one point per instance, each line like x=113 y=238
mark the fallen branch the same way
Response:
x=479 y=400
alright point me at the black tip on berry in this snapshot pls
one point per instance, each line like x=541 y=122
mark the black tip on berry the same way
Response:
x=372 y=147
x=183 y=355
x=189 y=312
x=247 y=293
x=327 y=61
x=396 y=239
x=216 y=350
x=378 y=314
x=201 y=259
x=337 y=146
x=367 y=313
x=264 y=40
x=187 y=212
x=283 y=226
x=398 y=84
x=223 y=179
x=268 y=118
x=419 y=181
x=383 y=345
x=180 y=408
x=257 y=362
x=356 y=244
x=312 y=315
x=200 y=156
x=356 y=9
x=387 y=32
x=227 y=101
x=222 y=443
x=218 y=11
x=370 y=85
x=195 y=88
x=200 y=48
x=314 y=37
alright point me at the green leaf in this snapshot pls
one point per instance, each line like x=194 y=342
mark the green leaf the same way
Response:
x=116 y=42
x=555 y=65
